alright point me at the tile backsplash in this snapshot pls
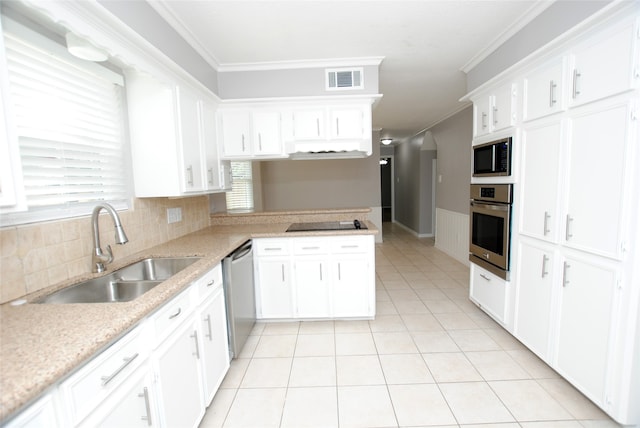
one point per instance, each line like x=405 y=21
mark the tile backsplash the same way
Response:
x=36 y=256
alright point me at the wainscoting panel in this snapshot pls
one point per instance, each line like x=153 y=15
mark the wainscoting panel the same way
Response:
x=452 y=234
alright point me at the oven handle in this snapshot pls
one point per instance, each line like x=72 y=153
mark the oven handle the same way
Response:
x=493 y=207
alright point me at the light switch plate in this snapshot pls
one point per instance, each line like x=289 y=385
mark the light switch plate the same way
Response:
x=174 y=215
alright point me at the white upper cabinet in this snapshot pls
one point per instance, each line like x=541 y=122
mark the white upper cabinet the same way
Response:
x=250 y=133
x=605 y=64
x=495 y=110
x=309 y=124
x=172 y=138
x=347 y=123
x=543 y=90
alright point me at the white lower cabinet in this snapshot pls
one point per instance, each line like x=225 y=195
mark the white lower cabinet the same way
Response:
x=215 y=346
x=131 y=406
x=586 y=317
x=41 y=414
x=319 y=277
x=179 y=388
x=535 y=279
x=490 y=292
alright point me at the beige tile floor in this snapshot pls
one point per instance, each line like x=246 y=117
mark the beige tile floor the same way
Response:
x=430 y=358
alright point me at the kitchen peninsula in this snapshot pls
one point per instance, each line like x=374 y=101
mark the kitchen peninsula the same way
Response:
x=50 y=342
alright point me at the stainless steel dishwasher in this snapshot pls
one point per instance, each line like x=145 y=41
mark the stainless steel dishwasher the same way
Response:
x=239 y=293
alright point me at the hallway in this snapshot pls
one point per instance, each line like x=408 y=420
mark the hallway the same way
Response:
x=430 y=358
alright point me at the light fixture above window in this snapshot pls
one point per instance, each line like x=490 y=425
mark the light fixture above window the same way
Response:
x=83 y=49
x=386 y=141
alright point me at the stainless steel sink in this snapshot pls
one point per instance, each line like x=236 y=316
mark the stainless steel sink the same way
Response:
x=123 y=285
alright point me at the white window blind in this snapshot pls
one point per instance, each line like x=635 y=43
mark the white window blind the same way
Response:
x=68 y=117
x=241 y=197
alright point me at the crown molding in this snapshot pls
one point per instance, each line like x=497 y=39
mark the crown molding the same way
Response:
x=524 y=19
x=300 y=64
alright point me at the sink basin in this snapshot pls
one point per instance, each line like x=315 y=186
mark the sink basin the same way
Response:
x=123 y=285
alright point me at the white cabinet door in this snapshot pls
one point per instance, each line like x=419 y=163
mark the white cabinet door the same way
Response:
x=603 y=65
x=502 y=108
x=543 y=90
x=586 y=316
x=481 y=116
x=41 y=414
x=534 y=283
x=312 y=287
x=132 y=405
x=309 y=124
x=490 y=292
x=347 y=123
x=540 y=188
x=236 y=133
x=179 y=379
x=215 y=346
x=595 y=198
x=189 y=120
x=267 y=139
x=350 y=286
x=210 y=145
x=275 y=288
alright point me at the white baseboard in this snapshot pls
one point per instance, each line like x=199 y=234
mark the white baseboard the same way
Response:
x=413 y=232
x=452 y=234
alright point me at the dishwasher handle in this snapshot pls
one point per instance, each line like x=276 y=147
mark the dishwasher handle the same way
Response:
x=241 y=251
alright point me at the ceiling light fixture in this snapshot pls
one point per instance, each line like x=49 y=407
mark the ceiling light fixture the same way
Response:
x=83 y=49
x=386 y=141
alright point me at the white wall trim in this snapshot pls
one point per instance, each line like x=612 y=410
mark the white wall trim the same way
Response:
x=452 y=234
x=413 y=232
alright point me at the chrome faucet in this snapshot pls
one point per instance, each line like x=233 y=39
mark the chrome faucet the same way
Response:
x=99 y=259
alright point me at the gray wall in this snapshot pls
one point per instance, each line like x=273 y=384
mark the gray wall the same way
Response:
x=552 y=22
x=453 y=139
x=287 y=83
x=312 y=184
x=143 y=19
x=414 y=185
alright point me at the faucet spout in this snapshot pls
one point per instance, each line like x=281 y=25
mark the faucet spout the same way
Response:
x=99 y=258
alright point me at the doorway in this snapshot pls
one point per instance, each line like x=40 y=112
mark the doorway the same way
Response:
x=386 y=188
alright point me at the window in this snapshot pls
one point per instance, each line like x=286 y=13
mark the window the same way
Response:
x=241 y=197
x=68 y=118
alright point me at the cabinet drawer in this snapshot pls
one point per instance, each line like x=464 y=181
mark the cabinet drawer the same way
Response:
x=272 y=247
x=490 y=292
x=355 y=244
x=304 y=246
x=172 y=314
x=93 y=383
x=209 y=282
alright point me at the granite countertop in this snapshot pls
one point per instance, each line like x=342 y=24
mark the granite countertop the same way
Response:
x=40 y=344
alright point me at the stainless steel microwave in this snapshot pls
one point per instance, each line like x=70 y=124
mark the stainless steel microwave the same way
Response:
x=492 y=159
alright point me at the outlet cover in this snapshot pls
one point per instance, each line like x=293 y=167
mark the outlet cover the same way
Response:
x=174 y=215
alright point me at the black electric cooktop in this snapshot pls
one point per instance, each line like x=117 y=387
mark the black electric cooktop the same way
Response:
x=326 y=225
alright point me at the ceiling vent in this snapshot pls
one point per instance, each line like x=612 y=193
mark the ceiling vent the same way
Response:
x=344 y=78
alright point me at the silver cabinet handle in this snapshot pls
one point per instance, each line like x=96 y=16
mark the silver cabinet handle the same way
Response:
x=552 y=97
x=273 y=249
x=310 y=248
x=195 y=339
x=349 y=246
x=243 y=147
x=318 y=125
x=545 y=259
x=339 y=272
x=210 y=283
x=282 y=266
x=190 y=175
x=320 y=271
x=147 y=405
x=210 y=173
x=337 y=126
x=176 y=314
x=485 y=277
x=259 y=141
x=484 y=120
x=576 y=76
x=495 y=115
x=547 y=216
x=567 y=231
x=565 y=267
x=210 y=334
x=126 y=361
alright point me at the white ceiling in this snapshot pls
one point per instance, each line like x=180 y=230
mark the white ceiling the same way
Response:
x=425 y=43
